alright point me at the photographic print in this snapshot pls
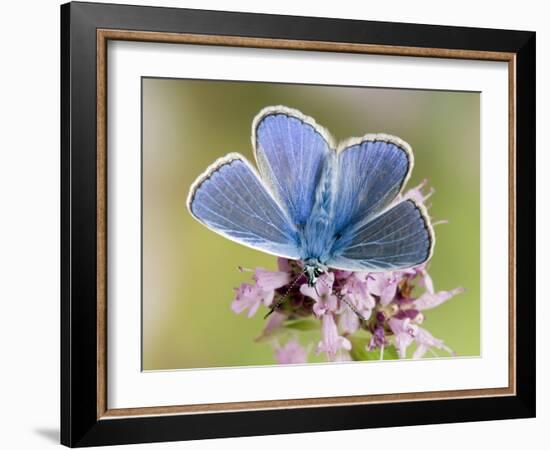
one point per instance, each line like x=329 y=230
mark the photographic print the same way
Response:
x=294 y=224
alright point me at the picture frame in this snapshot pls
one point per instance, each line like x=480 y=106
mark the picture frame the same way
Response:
x=86 y=30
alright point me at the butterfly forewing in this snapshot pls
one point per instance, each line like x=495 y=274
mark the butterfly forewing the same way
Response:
x=230 y=199
x=290 y=150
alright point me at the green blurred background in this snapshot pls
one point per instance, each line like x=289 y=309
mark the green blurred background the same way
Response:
x=189 y=272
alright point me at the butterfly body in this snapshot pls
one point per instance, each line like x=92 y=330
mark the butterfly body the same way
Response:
x=317 y=236
x=326 y=205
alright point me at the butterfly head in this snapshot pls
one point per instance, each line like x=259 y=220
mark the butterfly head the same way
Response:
x=313 y=269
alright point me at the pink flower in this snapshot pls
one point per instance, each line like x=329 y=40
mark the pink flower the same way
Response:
x=268 y=280
x=325 y=300
x=416 y=193
x=247 y=296
x=331 y=342
x=425 y=341
x=291 y=353
x=430 y=300
x=425 y=278
x=348 y=321
x=384 y=285
x=378 y=338
x=404 y=333
x=355 y=292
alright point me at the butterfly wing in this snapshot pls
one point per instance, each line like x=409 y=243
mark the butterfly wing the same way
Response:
x=290 y=150
x=230 y=199
x=398 y=238
x=372 y=171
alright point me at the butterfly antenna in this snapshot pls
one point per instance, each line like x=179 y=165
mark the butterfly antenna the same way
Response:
x=284 y=297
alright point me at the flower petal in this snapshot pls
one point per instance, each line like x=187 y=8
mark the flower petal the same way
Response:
x=310 y=291
x=427 y=281
x=404 y=333
x=324 y=284
x=291 y=353
x=247 y=296
x=420 y=351
x=428 y=300
x=383 y=285
x=424 y=338
x=322 y=294
x=269 y=280
x=331 y=342
x=349 y=322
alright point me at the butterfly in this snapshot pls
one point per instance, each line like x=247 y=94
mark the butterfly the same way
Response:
x=325 y=204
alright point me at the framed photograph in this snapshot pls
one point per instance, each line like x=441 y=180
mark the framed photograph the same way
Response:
x=277 y=224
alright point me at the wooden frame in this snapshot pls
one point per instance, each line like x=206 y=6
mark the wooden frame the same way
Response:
x=86 y=418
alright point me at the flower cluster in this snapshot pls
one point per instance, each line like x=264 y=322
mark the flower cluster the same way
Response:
x=359 y=313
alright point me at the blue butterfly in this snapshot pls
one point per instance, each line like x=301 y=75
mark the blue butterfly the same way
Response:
x=327 y=205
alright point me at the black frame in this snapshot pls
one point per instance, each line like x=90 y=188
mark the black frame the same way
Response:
x=79 y=423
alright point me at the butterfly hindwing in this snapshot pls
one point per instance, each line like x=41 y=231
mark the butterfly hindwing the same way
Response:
x=230 y=199
x=290 y=151
x=398 y=238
